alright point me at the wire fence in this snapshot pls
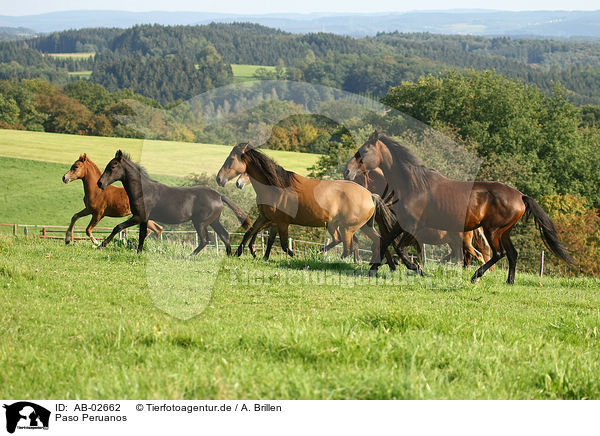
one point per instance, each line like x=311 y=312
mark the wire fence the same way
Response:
x=431 y=253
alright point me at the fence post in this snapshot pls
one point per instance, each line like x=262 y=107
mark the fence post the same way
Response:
x=26 y=231
x=424 y=254
x=542 y=264
x=44 y=232
x=217 y=242
x=325 y=245
x=15 y=229
x=160 y=236
x=290 y=244
x=262 y=242
x=196 y=238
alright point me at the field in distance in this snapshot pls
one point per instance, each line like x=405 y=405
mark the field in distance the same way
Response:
x=159 y=157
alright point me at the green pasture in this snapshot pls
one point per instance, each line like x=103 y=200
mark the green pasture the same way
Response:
x=83 y=75
x=82 y=55
x=92 y=324
x=244 y=73
x=159 y=157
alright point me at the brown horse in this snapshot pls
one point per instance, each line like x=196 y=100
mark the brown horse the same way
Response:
x=285 y=198
x=244 y=180
x=428 y=199
x=111 y=202
x=461 y=244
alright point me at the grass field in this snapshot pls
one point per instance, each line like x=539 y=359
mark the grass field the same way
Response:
x=87 y=324
x=82 y=55
x=159 y=157
x=244 y=73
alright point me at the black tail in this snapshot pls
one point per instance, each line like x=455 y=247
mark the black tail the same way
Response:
x=547 y=229
x=239 y=213
x=383 y=215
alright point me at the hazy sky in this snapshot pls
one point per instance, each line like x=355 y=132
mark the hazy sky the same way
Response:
x=26 y=7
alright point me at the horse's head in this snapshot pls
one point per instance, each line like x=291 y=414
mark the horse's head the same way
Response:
x=233 y=165
x=114 y=171
x=77 y=170
x=242 y=181
x=367 y=158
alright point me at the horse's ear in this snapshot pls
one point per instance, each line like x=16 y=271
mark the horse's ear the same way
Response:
x=119 y=155
x=244 y=147
x=375 y=135
x=83 y=157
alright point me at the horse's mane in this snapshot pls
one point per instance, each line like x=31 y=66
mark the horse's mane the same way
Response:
x=418 y=176
x=137 y=166
x=274 y=173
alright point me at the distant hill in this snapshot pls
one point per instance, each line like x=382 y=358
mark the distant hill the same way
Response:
x=564 y=24
x=12 y=33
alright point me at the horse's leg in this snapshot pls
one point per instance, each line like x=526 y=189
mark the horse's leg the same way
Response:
x=270 y=241
x=74 y=218
x=472 y=252
x=256 y=226
x=253 y=239
x=125 y=224
x=346 y=235
x=96 y=217
x=376 y=238
x=142 y=237
x=282 y=228
x=202 y=236
x=223 y=235
x=497 y=253
x=155 y=227
x=511 y=254
x=383 y=245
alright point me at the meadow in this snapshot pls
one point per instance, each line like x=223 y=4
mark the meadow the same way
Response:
x=159 y=157
x=244 y=73
x=87 y=323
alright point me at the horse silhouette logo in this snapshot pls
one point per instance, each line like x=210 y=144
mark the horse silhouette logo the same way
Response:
x=26 y=415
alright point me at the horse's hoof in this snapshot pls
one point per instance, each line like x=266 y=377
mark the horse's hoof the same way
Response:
x=100 y=247
x=67 y=241
x=474 y=279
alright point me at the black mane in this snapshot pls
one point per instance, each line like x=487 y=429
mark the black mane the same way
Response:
x=274 y=173
x=141 y=169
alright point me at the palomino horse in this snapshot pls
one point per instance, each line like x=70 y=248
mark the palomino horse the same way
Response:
x=167 y=204
x=111 y=202
x=461 y=244
x=244 y=180
x=285 y=198
x=428 y=199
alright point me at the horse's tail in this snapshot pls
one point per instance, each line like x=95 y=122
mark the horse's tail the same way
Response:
x=239 y=213
x=547 y=229
x=383 y=215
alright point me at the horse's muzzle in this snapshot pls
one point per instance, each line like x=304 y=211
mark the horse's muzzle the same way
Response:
x=65 y=180
x=221 y=181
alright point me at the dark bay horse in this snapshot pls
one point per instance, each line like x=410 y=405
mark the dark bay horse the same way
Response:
x=463 y=245
x=167 y=204
x=428 y=199
x=99 y=203
x=285 y=198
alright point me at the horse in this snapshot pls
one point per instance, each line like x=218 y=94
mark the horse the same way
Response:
x=242 y=181
x=461 y=244
x=112 y=202
x=167 y=204
x=284 y=197
x=429 y=199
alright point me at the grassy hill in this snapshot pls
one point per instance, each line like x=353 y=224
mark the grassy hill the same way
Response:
x=300 y=328
x=159 y=157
